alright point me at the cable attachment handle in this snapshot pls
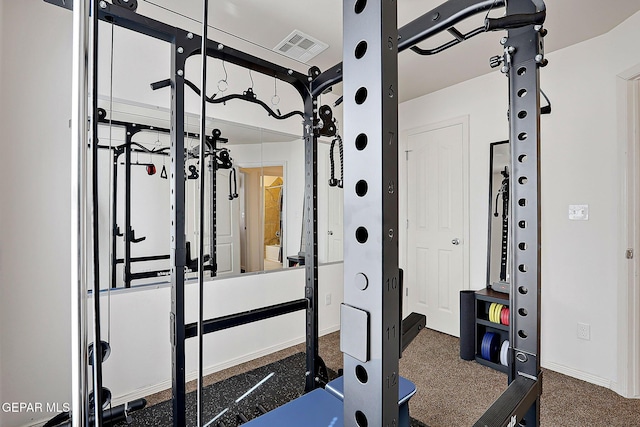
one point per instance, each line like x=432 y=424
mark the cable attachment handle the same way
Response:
x=233 y=184
x=333 y=181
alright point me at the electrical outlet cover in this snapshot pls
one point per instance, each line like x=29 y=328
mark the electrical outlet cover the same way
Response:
x=579 y=212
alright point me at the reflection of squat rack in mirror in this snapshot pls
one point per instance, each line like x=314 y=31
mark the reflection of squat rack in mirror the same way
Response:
x=498 y=248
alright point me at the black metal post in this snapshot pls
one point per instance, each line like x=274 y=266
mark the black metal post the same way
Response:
x=524 y=50
x=114 y=220
x=201 y=192
x=128 y=230
x=310 y=229
x=504 y=238
x=182 y=42
x=97 y=355
x=213 y=193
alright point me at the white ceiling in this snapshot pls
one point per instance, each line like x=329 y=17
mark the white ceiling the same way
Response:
x=256 y=26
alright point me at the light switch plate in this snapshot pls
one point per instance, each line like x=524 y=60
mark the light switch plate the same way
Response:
x=579 y=212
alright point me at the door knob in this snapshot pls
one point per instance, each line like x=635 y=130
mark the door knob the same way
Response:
x=330 y=233
x=455 y=241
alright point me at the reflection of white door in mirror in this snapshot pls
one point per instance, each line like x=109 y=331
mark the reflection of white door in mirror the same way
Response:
x=335 y=233
x=227 y=223
x=227 y=228
x=243 y=220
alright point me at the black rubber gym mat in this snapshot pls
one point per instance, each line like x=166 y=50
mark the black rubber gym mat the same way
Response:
x=281 y=382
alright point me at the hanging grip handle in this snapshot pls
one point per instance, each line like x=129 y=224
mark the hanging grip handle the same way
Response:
x=514 y=21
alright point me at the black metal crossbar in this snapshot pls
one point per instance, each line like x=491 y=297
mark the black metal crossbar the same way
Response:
x=233 y=320
x=513 y=404
x=411 y=327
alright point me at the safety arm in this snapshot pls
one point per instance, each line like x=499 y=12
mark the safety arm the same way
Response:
x=513 y=404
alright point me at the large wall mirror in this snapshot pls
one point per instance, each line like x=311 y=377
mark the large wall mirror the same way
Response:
x=258 y=162
x=498 y=251
x=259 y=193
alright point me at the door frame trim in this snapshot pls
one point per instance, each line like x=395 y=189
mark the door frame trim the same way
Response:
x=628 y=106
x=404 y=199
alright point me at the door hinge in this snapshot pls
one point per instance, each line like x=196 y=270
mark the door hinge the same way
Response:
x=629 y=253
x=407 y=224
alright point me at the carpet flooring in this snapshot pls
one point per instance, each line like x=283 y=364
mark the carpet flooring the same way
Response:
x=454 y=392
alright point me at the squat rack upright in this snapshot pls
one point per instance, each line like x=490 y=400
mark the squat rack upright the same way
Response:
x=376 y=313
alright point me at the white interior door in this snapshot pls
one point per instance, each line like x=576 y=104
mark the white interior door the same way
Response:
x=436 y=233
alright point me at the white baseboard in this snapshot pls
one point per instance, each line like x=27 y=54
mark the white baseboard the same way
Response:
x=147 y=391
x=575 y=373
x=621 y=389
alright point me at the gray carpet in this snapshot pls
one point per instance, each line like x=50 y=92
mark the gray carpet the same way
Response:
x=453 y=392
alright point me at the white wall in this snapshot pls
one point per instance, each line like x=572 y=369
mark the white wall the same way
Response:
x=140 y=362
x=35 y=226
x=2 y=191
x=579 y=166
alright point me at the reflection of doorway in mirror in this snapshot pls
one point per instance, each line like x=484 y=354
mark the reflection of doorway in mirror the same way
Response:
x=273 y=185
x=242 y=180
x=261 y=195
x=250 y=193
x=335 y=218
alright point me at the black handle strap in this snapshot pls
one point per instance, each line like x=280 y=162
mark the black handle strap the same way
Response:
x=515 y=21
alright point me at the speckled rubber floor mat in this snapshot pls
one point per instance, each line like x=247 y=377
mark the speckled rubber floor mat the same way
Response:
x=244 y=395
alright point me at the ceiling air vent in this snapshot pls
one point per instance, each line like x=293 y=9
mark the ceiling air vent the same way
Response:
x=300 y=46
